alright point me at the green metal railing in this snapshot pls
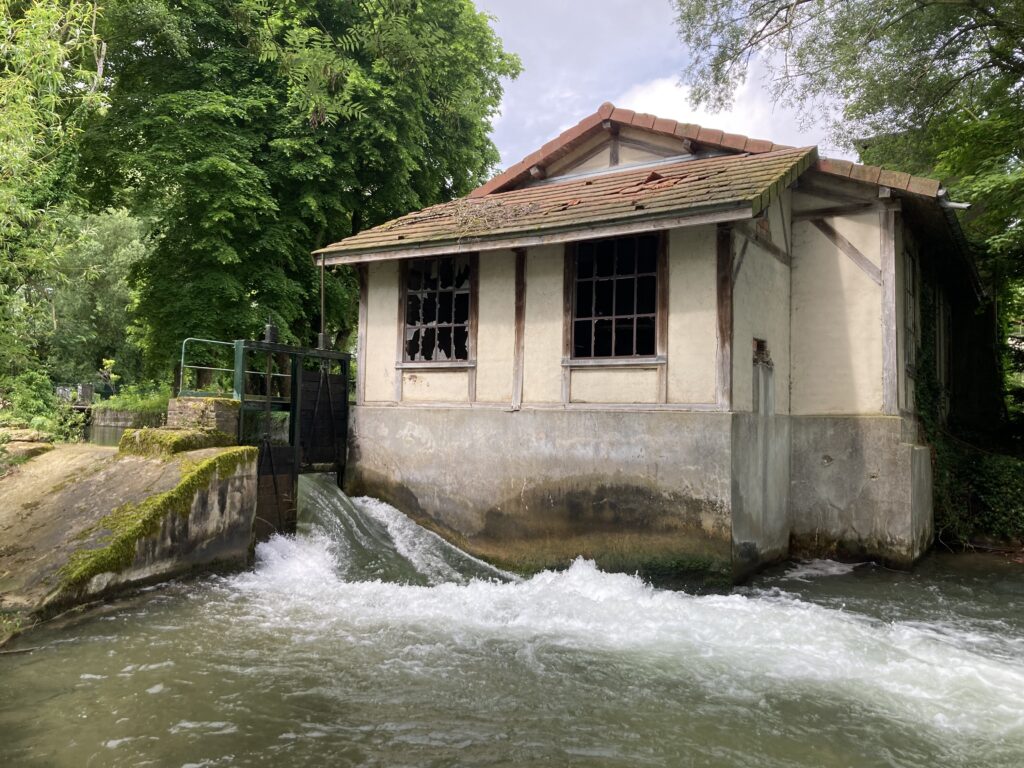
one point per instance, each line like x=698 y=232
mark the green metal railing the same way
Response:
x=238 y=370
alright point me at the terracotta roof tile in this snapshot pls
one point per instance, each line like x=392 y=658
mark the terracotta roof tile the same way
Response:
x=734 y=141
x=710 y=135
x=866 y=173
x=835 y=167
x=757 y=145
x=624 y=116
x=687 y=130
x=683 y=187
x=708 y=138
x=894 y=179
x=664 y=125
x=644 y=120
x=922 y=186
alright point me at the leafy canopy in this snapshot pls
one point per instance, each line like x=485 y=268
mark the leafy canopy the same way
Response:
x=252 y=133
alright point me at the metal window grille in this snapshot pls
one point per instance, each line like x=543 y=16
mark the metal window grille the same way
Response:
x=615 y=297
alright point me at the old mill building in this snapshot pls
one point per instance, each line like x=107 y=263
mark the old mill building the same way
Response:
x=662 y=347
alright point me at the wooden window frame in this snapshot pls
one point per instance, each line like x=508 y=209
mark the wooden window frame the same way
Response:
x=471 y=343
x=659 y=358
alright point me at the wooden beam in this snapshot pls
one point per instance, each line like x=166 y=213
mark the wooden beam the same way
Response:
x=890 y=394
x=476 y=245
x=723 y=379
x=519 y=352
x=848 y=248
x=849 y=209
x=361 y=335
x=661 y=322
x=765 y=243
x=568 y=276
x=739 y=260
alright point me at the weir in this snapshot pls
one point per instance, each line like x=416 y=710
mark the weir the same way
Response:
x=374 y=541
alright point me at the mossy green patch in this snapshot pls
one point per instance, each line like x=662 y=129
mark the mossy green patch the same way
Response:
x=223 y=402
x=131 y=522
x=166 y=442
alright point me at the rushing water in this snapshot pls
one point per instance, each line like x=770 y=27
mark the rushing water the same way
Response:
x=366 y=640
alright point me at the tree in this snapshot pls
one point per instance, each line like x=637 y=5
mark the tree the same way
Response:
x=252 y=134
x=51 y=65
x=91 y=300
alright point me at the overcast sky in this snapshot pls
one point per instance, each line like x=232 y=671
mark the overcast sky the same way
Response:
x=579 y=53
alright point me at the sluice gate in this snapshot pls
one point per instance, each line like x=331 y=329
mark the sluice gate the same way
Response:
x=292 y=403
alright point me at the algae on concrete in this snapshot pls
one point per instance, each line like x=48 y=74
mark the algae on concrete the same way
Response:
x=132 y=521
x=167 y=441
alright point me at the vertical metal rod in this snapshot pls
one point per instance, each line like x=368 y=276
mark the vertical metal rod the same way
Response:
x=323 y=326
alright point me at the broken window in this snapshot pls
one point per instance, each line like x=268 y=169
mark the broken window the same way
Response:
x=437 y=301
x=615 y=297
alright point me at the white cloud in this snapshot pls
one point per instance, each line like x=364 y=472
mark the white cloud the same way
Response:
x=752 y=114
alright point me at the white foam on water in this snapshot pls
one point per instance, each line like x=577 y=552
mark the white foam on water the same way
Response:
x=814 y=569
x=430 y=554
x=755 y=644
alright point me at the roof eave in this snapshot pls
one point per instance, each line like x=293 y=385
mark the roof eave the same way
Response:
x=549 y=236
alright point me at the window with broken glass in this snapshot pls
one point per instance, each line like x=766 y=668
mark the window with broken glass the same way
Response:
x=615 y=297
x=437 y=309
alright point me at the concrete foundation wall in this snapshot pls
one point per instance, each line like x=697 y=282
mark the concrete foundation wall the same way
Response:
x=536 y=488
x=858 y=490
x=760 y=479
x=216 y=413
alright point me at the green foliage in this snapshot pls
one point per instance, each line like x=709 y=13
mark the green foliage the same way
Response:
x=975 y=491
x=131 y=522
x=138 y=398
x=30 y=396
x=49 y=83
x=253 y=133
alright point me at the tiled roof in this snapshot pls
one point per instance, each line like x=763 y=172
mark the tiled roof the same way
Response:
x=741 y=183
x=706 y=138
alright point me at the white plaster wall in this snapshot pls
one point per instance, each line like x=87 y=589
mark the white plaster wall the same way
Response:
x=435 y=386
x=566 y=164
x=614 y=385
x=760 y=310
x=496 y=332
x=692 y=315
x=542 y=363
x=381 y=331
x=836 y=341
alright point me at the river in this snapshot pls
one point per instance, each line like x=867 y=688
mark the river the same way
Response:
x=365 y=640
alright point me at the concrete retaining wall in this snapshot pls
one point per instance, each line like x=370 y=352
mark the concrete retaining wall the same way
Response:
x=216 y=413
x=217 y=532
